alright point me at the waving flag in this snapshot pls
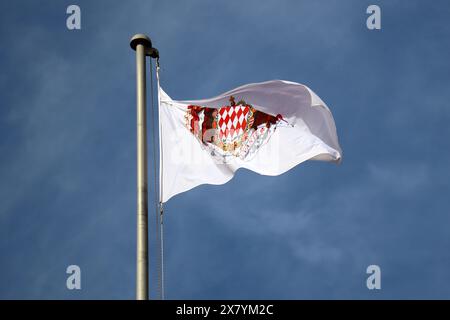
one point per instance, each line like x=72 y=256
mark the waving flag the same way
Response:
x=266 y=127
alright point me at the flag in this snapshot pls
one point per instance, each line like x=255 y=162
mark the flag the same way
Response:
x=266 y=127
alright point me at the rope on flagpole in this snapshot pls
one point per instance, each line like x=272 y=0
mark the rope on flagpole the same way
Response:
x=161 y=209
x=155 y=186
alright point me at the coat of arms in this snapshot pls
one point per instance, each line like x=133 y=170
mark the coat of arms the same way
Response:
x=236 y=129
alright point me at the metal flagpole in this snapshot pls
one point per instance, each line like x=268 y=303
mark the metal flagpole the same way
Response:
x=139 y=43
x=143 y=47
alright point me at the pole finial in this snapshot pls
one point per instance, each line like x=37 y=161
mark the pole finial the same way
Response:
x=140 y=39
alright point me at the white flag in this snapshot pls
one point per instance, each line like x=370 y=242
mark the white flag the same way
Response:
x=266 y=127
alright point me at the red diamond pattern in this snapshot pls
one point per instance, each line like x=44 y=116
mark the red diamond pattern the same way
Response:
x=232 y=121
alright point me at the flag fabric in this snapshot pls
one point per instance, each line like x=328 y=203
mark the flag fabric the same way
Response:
x=266 y=127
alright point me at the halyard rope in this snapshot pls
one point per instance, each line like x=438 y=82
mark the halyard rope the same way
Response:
x=156 y=191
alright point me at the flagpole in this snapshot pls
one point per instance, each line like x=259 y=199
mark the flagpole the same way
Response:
x=141 y=44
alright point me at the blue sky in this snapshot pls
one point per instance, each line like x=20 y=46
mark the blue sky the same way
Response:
x=68 y=164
